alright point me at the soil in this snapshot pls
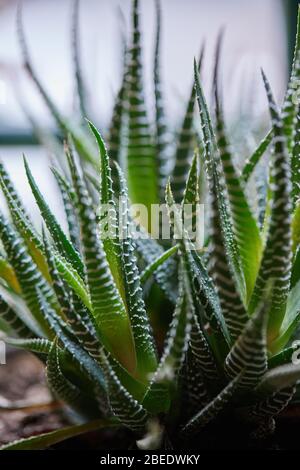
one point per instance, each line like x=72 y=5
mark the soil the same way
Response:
x=24 y=391
x=22 y=383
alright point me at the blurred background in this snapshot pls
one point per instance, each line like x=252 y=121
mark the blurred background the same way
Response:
x=257 y=33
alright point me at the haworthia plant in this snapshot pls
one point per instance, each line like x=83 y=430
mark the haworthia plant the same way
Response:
x=134 y=332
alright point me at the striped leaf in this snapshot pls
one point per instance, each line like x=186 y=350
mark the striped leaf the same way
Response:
x=6 y=183
x=201 y=354
x=161 y=130
x=207 y=306
x=153 y=267
x=190 y=202
x=276 y=260
x=35 y=345
x=35 y=244
x=254 y=159
x=296 y=227
x=290 y=106
x=116 y=133
x=128 y=410
x=82 y=359
x=72 y=308
x=80 y=85
x=17 y=324
x=203 y=292
x=295 y=162
x=140 y=159
x=295 y=277
x=225 y=263
x=109 y=314
x=68 y=198
x=166 y=274
x=57 y=283
x=273 y=404
x=244 y=224
x=28 y=275
x=22 y=221
x=62 y=243
x=184 y=148
x=212 y=409
x=109 y=231
x=35 y=247
x=291 y=320
x=278 y=379
x=249 y=352
x=79 y=319
x=141 y=329
x=195 y=394
x=173 y=355
x=58 y=383
x=7 y=273
x=290 y=123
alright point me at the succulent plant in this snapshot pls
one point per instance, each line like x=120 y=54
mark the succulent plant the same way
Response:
x=80 y=302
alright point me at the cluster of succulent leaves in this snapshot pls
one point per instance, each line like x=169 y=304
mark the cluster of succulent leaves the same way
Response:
x=81 y=303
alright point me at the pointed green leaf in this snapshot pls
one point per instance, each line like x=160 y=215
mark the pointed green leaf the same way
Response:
x=165 y=275
x=274 y=404
x=151 y=268
x=54 y=437
x=68 y=201
x=244 y=224
x=291 y=319
x=184 y=149
x=116 y=128
x=203 y=292
x=202 y=355
x=195 y=393
x=22 y=221
x=283 y=357
x=226 y=269
x=108 y=216
x=72 y=308
x=190 y=202
x=279 y=378
x=161 y=129
x=295 y=276
x=58 y=383
x=35 y=345
x=296 y=227
x=83 y=360
x=16 y=323
x=212 y=409
x=290 y=106
x=253 y=160
x=140 y=159
x=141 y=329
x=276 y=260
x=80 y=86
x=109 y=314
x=26 y=271
x=249 y=352
x=165 y=377
x=63 y=244
x=8 y=274
x=295 y=161
x=128 y=410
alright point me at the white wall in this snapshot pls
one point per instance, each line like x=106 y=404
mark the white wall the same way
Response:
x=254 y=38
